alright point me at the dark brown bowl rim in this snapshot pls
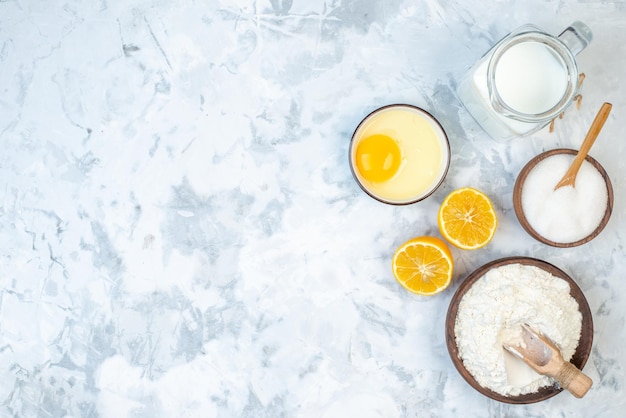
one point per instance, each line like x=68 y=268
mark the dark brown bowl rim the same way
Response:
x=579 y=359
x=517 y=198
x=399 y=202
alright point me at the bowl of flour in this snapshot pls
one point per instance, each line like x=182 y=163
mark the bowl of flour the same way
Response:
x=489 y=307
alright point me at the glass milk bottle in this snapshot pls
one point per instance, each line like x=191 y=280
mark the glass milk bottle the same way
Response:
x=525 y=81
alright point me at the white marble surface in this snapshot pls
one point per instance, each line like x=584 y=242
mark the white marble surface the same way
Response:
x=180 y=234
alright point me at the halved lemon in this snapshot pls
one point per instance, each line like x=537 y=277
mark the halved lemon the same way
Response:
x=423 y=265
x=467 y=219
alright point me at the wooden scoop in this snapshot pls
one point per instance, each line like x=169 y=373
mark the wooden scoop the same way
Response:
x=543 y=356
x=569 y=179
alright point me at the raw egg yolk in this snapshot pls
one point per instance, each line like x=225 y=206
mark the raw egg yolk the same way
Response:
x=378 y=157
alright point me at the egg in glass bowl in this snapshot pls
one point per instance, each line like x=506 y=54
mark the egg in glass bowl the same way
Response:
x=399 y=154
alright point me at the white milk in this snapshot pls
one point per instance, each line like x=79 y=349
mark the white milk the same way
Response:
x=530 y=78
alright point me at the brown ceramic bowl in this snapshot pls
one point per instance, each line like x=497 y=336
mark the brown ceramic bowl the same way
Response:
x=580 y=355
x=517 y=198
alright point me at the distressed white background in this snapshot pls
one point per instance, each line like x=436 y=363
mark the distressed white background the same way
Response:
x=180 y=234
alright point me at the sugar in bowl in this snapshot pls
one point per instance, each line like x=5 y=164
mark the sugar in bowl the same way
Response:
x=564 y=197
x=568 y=216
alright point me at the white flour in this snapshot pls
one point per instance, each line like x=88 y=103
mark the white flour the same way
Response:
x=493 y=310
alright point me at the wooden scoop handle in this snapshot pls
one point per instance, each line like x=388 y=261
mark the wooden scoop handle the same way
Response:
x=572 y=379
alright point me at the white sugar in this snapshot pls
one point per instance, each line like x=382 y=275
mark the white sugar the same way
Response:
x=567 y=214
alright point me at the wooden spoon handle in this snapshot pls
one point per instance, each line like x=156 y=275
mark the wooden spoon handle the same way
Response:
x=572 y=379
x=596 y=126
x=594 y=130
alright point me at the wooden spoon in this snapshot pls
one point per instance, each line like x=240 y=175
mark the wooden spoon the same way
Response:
x=544 y=357
x=569 y=179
